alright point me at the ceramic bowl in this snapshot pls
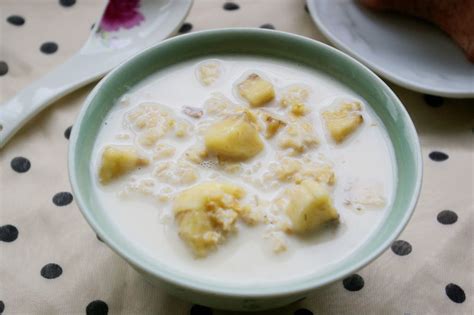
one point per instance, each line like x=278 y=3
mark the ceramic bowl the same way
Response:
x=252 y=42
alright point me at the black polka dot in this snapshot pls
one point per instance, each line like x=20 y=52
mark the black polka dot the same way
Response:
x=67 y=3
x=3 y=68
x=185 y=28
x=2 y=307
x=51 y=271
x=306 y=8
x=200 y=310
x=62 y=199
x=268 y=26
x=447 y=217
x=98 y=237
x=433 y=101
x=92 y=26
x=67 y=132
x=303 y=311
x=16 y=20
x=8 y=233
x=20 y=164
x=97 y=307
x=353 y=282
x=401 y=248
x=49 y=48
x=231 y=6
x=455 y=293
x=438 y=156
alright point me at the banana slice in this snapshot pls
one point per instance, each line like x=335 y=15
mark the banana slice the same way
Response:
x=206 y=214
x=119 y=160
x=235 y=137
x=309 y=206
x=256 y=90
x=343 y=121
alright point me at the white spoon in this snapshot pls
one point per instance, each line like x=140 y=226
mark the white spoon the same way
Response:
x=101 y=53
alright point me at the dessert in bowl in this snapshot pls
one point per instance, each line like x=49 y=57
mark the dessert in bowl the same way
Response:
x=243 y=168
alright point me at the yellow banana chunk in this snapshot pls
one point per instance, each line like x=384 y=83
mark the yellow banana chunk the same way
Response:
x=206 y=213
x=203 y=196
x=309 y=206
x=119 y=160
x=256 y=90
x=343 y=121
x=299 y=109
x=273 y=123
x=235 y=138
x=195 y=228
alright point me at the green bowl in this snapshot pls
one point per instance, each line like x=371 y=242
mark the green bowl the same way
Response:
x=253 y=42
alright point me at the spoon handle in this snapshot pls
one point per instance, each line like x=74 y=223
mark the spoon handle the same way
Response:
x=17 y=111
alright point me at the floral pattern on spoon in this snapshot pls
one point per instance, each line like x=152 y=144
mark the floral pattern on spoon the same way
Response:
x=121 y=13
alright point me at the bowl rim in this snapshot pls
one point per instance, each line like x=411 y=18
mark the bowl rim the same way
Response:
x=276 y=289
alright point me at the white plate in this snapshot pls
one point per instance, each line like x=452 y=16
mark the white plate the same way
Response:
x=405 y=50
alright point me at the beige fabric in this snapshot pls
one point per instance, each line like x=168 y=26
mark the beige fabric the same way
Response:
x=412 y=284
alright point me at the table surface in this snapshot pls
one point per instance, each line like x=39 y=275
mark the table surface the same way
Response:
x=51 y=262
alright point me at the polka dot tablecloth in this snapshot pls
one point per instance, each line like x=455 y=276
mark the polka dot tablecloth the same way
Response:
x=51 y=262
